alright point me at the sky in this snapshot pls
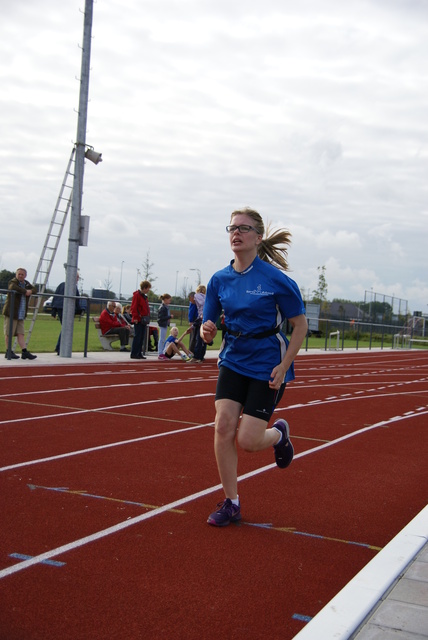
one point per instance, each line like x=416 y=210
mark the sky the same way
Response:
x=312 y=112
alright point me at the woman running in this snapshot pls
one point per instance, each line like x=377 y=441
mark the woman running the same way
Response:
x=256 y=359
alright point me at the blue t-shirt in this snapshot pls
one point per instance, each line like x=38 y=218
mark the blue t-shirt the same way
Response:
x=260 y=298
x=193 y=312
x=168 y=342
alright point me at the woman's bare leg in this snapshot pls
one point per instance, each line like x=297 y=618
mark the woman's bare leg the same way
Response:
x=226 y=425
x=184 y=348
x=254 y=435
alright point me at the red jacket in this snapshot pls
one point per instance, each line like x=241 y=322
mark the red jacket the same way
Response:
x=139 y=306
x=108 y=321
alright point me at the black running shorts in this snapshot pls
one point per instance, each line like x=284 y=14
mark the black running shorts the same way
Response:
x=255 y=396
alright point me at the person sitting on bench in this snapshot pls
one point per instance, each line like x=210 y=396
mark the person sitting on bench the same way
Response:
x=111 y=325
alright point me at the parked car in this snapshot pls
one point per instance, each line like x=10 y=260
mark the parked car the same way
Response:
x=47 y=305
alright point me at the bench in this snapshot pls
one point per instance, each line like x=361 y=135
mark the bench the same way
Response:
x=106 y=341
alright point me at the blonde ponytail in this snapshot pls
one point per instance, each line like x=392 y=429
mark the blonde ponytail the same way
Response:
x=274 y=245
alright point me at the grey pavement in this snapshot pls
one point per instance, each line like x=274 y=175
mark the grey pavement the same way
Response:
x=403 y=611
x=115 y=356
x=386 y=600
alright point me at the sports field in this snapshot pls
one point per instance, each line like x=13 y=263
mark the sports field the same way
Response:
x=107 y=475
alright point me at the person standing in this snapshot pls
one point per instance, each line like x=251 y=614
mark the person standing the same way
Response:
x=23 y=290
x=256 y=360
x=153 y=333
x=58 y=307
x=200 y=346
x=164 y=319
x=140 y=313
x=193 y=314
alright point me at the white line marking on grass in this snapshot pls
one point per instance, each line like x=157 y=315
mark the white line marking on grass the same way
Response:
x=177 y=503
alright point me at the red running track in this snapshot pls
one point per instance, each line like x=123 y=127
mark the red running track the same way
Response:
x=107 y=475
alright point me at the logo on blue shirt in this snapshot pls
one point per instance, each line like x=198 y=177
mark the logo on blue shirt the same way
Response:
x=259 y=292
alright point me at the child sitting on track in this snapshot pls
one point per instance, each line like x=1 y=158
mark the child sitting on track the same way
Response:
x=174 y=344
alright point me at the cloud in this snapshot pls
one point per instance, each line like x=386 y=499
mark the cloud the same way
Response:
x=313 y=114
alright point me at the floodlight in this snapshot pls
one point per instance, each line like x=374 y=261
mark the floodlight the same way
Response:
x=93 y=156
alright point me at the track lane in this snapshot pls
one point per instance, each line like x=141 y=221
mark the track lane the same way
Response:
x=167 y=571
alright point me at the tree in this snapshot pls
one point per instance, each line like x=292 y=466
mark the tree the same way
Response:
x=184 y=292
x=305 y=293
x=320 y=294
x=108 y=287
x=5 y=277
x=147 y=269
x=377 y=311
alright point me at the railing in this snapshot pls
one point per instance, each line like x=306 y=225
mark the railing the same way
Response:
x=350 y=333
x=94 y=306
x=353 y=334
x=34 y=308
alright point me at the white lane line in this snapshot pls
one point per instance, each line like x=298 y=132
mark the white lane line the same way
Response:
x=306 y=384
x=76 y=412
x=104 y=446
x=122 y=442
x=136 y=385
x=178 y=503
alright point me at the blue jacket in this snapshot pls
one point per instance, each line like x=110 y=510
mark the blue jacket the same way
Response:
x=58 y=300
x=193 y=312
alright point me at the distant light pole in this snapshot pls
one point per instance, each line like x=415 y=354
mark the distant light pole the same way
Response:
x=120 y=283
x=199 y=275
x=138 y=274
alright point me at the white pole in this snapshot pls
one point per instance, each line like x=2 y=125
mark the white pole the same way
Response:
x=120 y=284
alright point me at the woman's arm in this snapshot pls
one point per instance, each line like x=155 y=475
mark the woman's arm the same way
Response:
x=184 y=334
x=300 y=329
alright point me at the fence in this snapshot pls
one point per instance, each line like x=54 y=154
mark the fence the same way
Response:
x=349 y=334
x=91 y=306
x=353 y=334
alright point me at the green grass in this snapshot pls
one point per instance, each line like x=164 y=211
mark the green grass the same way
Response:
x=46 y=330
